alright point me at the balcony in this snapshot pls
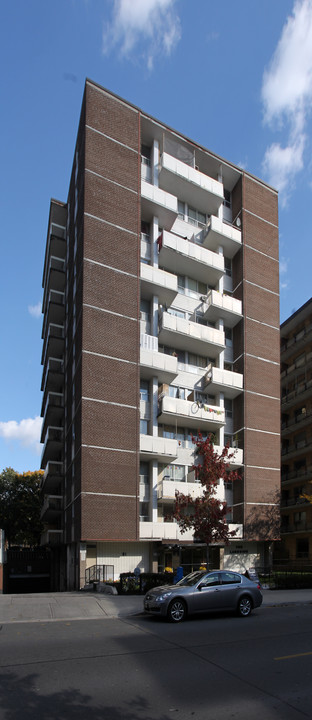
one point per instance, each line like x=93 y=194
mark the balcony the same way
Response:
x=52 y=537
x=296 y=449
x=157 y=202
x=158 y=448
x=296 y=528
x=301 y=474
x=53 y=444
x=54 y=310
x=188 y=335
x=234 y=462
x=156 y=364
x=158 y=282
x=53 y=375
x=297 y=502
x=223 y=381
x=300 y=365
x=301 y=392
x=56 y=247
x=54 y=276
x=217 y=306
x=186 y=258
x=52 y=411
x=190 y=414
x=193 y=186
x=52 y=477
x=53 y=343
x=294 y=344
x=167 y=489
x=51 y=508
x=164 y=531
x=217 y=233
x=294 y=423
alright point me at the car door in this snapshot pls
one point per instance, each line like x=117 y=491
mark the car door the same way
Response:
x=205 y=595
x=229 y=590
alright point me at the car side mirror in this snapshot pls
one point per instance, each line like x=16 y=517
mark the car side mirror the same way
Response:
x=200 y=586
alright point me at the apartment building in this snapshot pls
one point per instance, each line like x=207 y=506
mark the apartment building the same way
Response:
x=296 y=463
x=160 y=319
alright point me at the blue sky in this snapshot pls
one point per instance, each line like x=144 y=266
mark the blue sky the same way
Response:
x=235 y=77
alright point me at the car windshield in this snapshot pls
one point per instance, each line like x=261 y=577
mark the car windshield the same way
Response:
x=191 y=579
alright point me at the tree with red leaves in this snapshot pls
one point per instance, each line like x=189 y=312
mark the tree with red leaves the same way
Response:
x=206 y=515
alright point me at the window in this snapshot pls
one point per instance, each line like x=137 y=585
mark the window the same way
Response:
x=144 y=512
x=227 y=198
x=144 y=390
x=146 y=155
x=144 y=472
x=174 y=472
x=145 y=317
x=228 y=578
x=228 y=266
x=197 y=360
x=212 y=579
x=178 y=392
x=146 y=170
x=228 y=406
x=190 y=286
x=145 y=231
x=228 y=337
x=143 y=427
x=191 y=215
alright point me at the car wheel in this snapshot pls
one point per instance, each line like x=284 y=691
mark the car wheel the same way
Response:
x=176 y=611
x=244 y=607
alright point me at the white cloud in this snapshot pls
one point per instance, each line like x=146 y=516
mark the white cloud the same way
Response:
x=287 y=97
x=26 y=432
x=281 y=165
x=35 y=310
x=152 y=21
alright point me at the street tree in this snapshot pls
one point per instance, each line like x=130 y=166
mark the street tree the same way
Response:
x=20 y=503
x=206 y=514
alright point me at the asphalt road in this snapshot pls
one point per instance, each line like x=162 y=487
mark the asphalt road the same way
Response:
x=140 y=668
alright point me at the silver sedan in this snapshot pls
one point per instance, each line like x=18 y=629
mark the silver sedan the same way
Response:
x=201 y=592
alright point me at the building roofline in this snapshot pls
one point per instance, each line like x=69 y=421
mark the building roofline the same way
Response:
x=183 y=137
x=300 y=310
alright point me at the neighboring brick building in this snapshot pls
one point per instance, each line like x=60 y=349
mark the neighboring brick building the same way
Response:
x=296 y=391
x=161 y=318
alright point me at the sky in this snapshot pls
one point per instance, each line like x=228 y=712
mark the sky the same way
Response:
x=234 y=77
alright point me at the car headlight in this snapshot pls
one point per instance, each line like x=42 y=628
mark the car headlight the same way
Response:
x=164 y=596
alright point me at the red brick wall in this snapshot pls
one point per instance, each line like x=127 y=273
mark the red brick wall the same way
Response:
x=110 y=334
x=260 y=340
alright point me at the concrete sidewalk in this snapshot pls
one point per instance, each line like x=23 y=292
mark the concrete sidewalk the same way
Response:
x=44 y=607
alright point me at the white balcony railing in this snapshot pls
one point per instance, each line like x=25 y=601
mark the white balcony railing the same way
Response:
x=226 y=381
x=163 y=531
x=195 y=415
x=154 y=363
x=160 y=203
x=218 y=306
x=186 y=258
x=217 y=233
x=167 y=489
x=188 y=335
x=152 y=447
x=198 y=189
x=158 y=282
